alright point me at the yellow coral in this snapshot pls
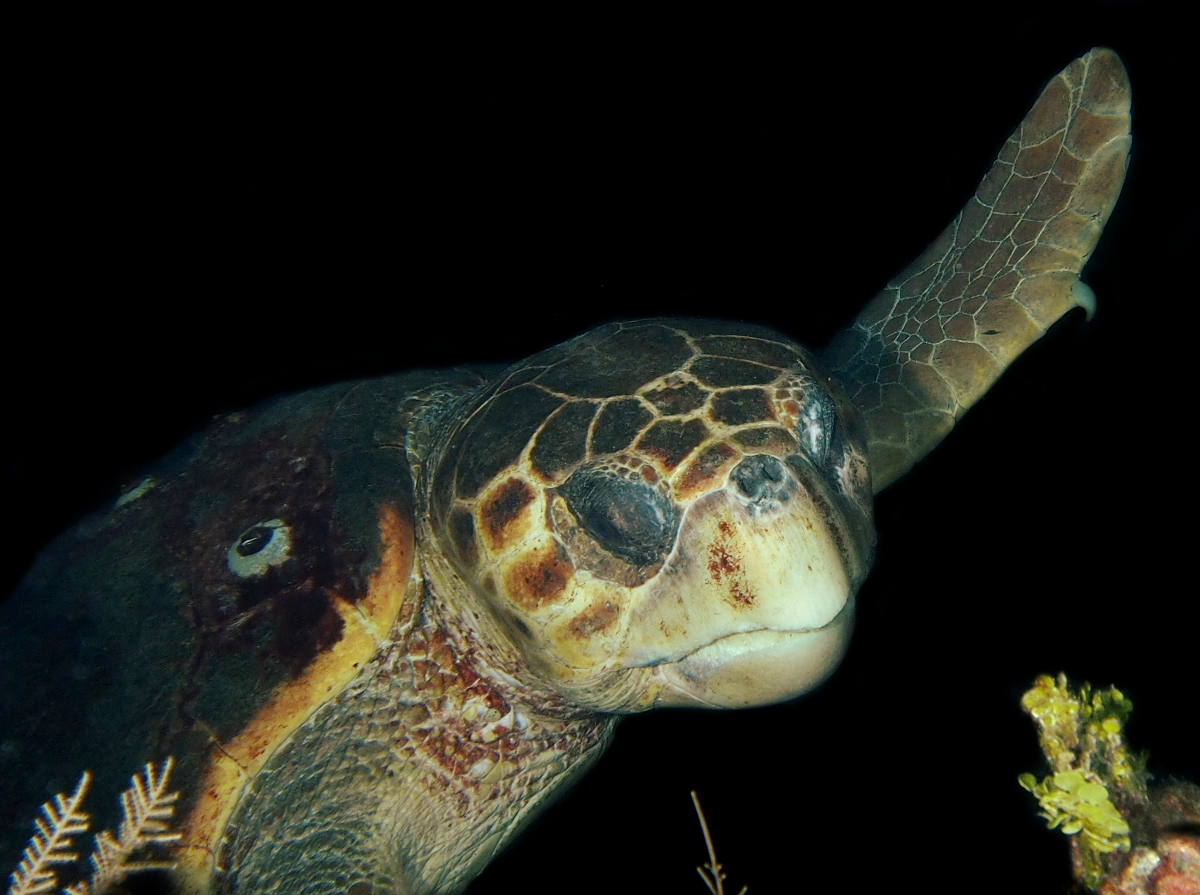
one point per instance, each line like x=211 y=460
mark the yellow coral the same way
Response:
x=1082 y=737
x=1080 y=805
x=1056 y=712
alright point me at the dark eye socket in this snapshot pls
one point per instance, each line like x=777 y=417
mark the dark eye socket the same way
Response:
x=627 y=517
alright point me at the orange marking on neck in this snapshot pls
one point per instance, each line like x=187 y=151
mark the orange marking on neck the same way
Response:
x=232 y=765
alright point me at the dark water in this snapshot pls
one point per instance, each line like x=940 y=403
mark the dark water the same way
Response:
x=1050 y=533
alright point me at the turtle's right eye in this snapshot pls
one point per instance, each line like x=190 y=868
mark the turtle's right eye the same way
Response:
x=816 y=424
x=626 y=516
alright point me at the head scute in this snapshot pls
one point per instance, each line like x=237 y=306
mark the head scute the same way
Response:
x=643 y=459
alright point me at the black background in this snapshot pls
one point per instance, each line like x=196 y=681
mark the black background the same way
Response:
x=211 y=212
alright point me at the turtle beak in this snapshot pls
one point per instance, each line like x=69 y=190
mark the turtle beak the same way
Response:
x=755 y=668
x=761 y=608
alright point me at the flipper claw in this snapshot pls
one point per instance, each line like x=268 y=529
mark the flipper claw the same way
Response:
x=1084 y=297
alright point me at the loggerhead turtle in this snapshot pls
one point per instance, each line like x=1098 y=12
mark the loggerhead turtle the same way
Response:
x=381 y=623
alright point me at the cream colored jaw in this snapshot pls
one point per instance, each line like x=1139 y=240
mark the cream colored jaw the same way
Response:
x=757 y=667
x=758 y=609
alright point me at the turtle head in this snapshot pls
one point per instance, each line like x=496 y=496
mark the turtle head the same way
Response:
x=662 y=514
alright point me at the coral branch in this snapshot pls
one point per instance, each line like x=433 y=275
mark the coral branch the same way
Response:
x=1126 y=838
x=50 y=842
x=146 y=809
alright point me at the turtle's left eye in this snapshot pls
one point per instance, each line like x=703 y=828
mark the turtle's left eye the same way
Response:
x=259 y=548
x=626 y=516
x=816 y=424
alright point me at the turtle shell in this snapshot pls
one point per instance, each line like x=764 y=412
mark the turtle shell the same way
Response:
x=223 y=598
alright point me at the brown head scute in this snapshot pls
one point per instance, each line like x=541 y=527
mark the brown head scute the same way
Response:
x=562 y=443
x=706 y=471
x=767 y=440
x=462 y=536
x=676 y=396
x=739 y=406
x=722 y=372
x=595 y=619
x=671 y=442
x=618 y=424
x=758 y=349
x=540 y=576
x=502 y=509
x=509 y=421
x=566 y=485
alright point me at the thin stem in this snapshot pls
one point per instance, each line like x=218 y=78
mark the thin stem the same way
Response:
x=715 y=882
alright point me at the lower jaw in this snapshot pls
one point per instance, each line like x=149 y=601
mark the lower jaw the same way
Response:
x=756 y=668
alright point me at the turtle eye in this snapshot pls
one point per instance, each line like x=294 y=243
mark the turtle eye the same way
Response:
x=625 y=516
x=259 y=547
x=816 y=424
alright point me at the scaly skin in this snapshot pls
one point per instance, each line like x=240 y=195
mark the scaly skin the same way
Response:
x=435 y=756
x=413 y=778
x=925 y=349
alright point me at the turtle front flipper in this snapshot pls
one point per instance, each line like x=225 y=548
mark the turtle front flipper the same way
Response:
x=935 y=339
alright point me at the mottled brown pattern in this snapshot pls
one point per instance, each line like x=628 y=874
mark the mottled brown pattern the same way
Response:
x=440 y=674
x=509 y=421
x=561 y=445
x=425 y=732
x=723 y=372
x=503 y=507
x=706 y=470
x=670 y=441
x=676 y=398
x=725 y=567
x=737 y=407
x=618 y=424
x=539 y=577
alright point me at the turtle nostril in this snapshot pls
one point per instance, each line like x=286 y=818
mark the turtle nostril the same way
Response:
x=761 y=477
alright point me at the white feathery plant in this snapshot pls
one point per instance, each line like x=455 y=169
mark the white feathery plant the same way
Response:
x=51 y=839
x=146 y=809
